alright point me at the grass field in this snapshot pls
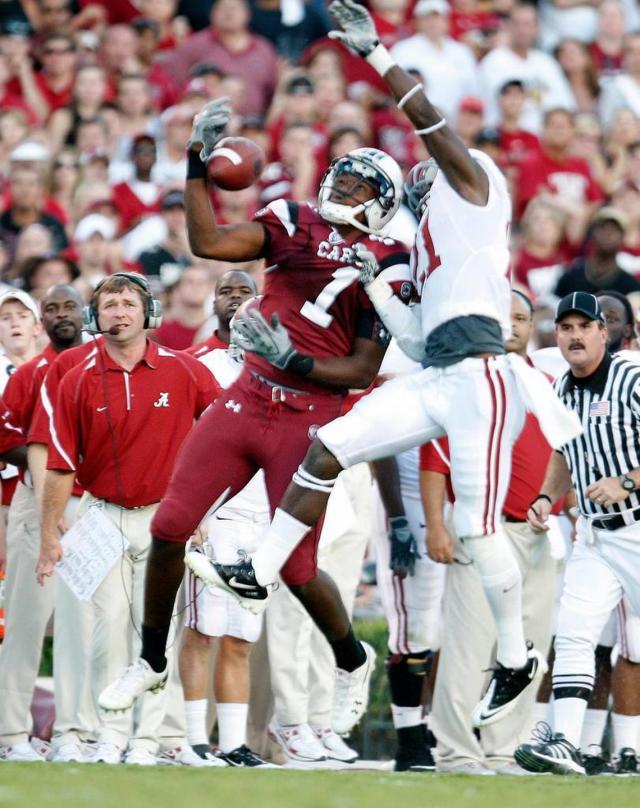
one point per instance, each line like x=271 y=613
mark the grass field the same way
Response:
x=24 y=785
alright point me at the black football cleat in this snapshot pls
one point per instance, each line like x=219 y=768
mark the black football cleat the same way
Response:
x=238 y=579
x=553 y=754
x=244 y=758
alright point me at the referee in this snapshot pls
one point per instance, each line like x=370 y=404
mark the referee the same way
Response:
x=603 y=465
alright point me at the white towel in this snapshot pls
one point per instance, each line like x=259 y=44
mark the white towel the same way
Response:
x=558 y=424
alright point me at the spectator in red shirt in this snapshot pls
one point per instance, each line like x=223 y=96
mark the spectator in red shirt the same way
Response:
x=608 y=46
x=188 y=309
x=139 y=196
x=117 y=53
x=294 y=102
x=89 y=93
x=55 y=80
x=9 y=99
x=538 y=262
x=516 y=143
x=469 y=120
x=565 y=180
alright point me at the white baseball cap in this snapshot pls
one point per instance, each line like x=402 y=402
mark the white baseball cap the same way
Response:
x=92 y=224
x=30 y=151
x=22 y=297
x=424 y=7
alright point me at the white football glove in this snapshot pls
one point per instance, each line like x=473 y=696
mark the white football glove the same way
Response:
x=358 y=29
x=208 y=126
x=253 y=333
x=367 y=263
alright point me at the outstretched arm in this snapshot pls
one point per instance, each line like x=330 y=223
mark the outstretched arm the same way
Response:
x=462 y=172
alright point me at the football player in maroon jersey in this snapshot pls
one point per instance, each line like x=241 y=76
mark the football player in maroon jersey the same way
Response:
x=316 y=335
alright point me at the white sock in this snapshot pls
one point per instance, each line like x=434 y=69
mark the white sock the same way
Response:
x=541 y=712
x=625 y=731
x=593 y=727
x=232 y=725
x=568 y=716
x=502 y=584
x=281 y=540
x=196 y=720
x=406 y=716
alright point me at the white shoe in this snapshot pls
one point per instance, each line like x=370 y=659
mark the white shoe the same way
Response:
x=131 y=684
x=351 y=693
x=298 y=741
x=335 y=747
x=139 y=756
x=69 y=753
x=24 y=753
x=185 y=756
x=107 y=753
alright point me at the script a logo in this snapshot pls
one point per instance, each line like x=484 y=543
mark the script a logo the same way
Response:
x=163 y=400
x=233 y=405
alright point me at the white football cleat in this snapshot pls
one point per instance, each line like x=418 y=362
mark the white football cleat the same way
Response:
x=335 y=747
x=69 y=753
x=298 y=742
x=107 y=753
x=351 y=693
x=23 y=753
x=185 y=756
x=136 y=680
x=139 y=756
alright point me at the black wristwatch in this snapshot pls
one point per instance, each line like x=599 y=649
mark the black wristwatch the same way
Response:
x=627 y=483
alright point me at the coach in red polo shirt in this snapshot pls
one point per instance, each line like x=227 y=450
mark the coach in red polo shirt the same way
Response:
x=118 y=421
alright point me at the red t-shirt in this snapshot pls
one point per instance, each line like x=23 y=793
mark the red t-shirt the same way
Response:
x=524 y=263
x=517 y=147
x=213 y=343
x=120 y=430
x=605 y=64
x=570 y=178
x=130 y=207
x=55 y=98
x=12 y=100
x=314 y=286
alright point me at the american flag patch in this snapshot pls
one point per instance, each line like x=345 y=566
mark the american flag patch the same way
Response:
x=599 y=409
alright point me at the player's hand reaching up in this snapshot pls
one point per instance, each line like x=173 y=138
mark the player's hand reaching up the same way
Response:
x=253 y=333
x=358 y=29
x=208 y=126
x=403 y=547
x=367 y=263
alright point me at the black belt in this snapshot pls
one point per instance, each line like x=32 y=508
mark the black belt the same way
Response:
x=615 y=522
x=509 y=518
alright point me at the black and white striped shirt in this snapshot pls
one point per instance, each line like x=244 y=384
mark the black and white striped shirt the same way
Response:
x=608 y=405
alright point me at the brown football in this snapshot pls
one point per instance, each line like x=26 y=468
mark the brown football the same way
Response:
x=236 y=163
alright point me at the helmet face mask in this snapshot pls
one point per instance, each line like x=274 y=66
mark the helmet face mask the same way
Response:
x=376 y=169
x=418 y=185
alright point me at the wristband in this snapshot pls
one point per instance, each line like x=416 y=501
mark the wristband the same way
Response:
x=378 y=291
x=196 y=169
x=541 y=496
x=409 y=94
x=380 y=59
x=431 y=129
x=301 y=364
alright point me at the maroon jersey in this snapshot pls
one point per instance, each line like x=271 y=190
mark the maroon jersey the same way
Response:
x=311 y=282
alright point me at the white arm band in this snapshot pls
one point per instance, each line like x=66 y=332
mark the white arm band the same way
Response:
x=402 y=321
x=431 y=129
x=380 y=59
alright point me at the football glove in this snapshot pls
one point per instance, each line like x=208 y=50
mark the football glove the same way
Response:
x=208 y=126
x=404 y=549
x=358 y=29
x=253 y=333
x=367 y=263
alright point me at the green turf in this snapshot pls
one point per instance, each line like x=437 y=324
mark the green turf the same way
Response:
x=24 y=785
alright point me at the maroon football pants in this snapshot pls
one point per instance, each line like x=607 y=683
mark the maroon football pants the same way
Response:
x=252 y=426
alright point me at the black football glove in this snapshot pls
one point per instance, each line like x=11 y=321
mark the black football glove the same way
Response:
x=403 y=546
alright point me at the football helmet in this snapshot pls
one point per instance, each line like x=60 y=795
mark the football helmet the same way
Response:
x=418 y=184
x=374 y=167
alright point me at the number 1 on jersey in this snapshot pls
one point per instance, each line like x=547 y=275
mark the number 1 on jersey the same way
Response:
x=317 y=312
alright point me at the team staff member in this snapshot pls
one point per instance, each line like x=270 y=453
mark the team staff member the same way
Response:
x=118 y=421
x=603 y=465
x=468 y=636
x=28 y=607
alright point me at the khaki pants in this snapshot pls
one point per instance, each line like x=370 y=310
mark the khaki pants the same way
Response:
x=157 y=719
x=468 y=650
x=28 y=608
x=301 y=662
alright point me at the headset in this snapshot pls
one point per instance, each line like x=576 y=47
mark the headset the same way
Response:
x=153 y=310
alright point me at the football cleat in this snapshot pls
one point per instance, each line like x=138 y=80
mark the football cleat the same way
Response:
x=238 y=579
x=243 y=757
x=106 y=753
x=139 y=756
x=69 y=753
x=594 y=761
x=23 y=753
x=351 y=693
x=554 y=753
x=413 y=753
x=188 y=756
x=505 y=688
x=334 y=746
x=298 y=742
x=626 y=761
x=131 y=684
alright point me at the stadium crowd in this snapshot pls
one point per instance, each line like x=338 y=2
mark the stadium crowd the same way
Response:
x=97 y=101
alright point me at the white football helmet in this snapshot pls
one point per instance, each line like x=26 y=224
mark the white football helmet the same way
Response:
x=418 y=184
x=372 y=166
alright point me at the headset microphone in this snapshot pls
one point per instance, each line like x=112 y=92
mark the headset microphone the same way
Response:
x=114 y=330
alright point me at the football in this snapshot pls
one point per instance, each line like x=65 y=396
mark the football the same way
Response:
x=236 y=163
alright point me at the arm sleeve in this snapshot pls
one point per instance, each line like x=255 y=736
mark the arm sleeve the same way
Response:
x=434 y=456
x=402 y=321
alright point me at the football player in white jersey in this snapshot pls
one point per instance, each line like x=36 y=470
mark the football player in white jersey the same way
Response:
x=468 y=390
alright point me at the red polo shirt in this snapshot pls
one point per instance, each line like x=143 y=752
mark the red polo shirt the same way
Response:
x=213 y=343
x=120 y=430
